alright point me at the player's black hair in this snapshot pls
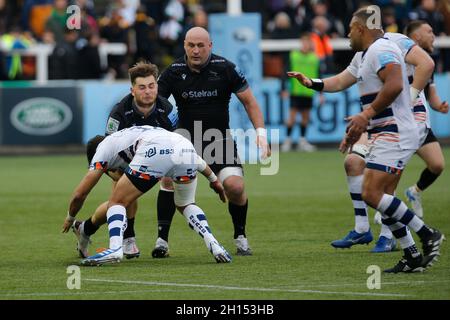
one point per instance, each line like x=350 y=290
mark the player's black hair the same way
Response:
x=413 y=26
x=92 y=145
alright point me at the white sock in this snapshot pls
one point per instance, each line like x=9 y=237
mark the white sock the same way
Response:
x=385 y=231
x=196 y=219
x=361 y=218
x=116 y=216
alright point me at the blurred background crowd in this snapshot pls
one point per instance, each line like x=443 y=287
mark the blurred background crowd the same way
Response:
x=154 y=30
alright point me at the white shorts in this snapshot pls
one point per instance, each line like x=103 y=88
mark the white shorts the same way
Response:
x=423 y=132
x=168 y=157
x=387 y=156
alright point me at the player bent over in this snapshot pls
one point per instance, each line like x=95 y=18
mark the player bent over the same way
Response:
x=153 y=153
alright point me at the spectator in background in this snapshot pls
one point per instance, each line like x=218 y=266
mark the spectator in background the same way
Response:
x=444 y=9
x=5 y=17
x=57 y=20
x=173 y=28
x=322 y=44
x=128 y=10
x=89 y=66
x=113 y=28
x=200 y=18
x=427 y=11
x=63 y=63
x=389 y=21
x=35 y=14
x=336 y=28
x=275 y=63
x=146 y=37
x=17 y=67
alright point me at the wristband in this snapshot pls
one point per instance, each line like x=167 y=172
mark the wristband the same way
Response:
x=70 y=218
x=317 y=84
x=414 y=93
x=212 y=177
x=261 y=132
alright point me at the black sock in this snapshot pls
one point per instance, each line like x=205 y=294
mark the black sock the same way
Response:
x=166 y=210
x=239 y=217
x=424 y=232
x=129 y=231
x=89 y=227
x=303 y=130
x=289 y=131
x=411 y=252
x=426 y=179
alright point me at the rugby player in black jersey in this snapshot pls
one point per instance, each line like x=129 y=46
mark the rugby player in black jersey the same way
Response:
x=202 y=83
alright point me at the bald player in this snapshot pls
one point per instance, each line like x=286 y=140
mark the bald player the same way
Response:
x=202 y=83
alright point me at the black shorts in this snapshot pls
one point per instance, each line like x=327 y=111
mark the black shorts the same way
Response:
x=301 y=103
x=219 y=154
x=142 y=182
x=430 y=138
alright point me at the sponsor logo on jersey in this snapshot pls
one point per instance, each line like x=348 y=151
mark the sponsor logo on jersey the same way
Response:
x=112 y=125
x=41 y=116
x=183 y=76
x=213 y=75
x=150 y=152
x=200 y=94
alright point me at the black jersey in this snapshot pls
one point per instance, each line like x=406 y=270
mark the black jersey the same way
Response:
x=125 y=114
x=205 y=95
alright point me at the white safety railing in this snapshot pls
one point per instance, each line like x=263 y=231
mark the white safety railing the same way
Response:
x=337 y=44
x=43 y=51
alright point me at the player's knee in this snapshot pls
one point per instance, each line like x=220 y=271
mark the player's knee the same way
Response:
x=234 y=190
x=354 y=165
x=166 y=184
x=437 y=167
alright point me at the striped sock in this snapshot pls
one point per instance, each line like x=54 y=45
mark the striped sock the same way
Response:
x=196 y=219
x=116 y=216
x=403 y=235
x=396 y=209
x=361 y=218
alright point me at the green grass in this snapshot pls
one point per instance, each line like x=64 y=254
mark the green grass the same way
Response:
x=293 y=217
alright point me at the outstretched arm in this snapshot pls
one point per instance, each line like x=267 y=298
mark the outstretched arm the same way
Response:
x=335 y=83
x=79 y=195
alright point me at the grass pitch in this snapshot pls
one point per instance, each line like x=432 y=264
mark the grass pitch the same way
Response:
x=293 y=217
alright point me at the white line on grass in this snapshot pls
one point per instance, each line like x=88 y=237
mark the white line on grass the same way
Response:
x=418 y=282
x=208 y=286
x=77 y=293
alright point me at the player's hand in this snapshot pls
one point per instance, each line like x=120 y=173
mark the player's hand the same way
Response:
x=355 y=128
x=304 y=80
x=344 y=146
x=443 y=107
x=218 y=188
x=261 y=142
x=67 y=224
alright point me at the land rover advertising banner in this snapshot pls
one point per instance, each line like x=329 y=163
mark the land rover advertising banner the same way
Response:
x=40 y=116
